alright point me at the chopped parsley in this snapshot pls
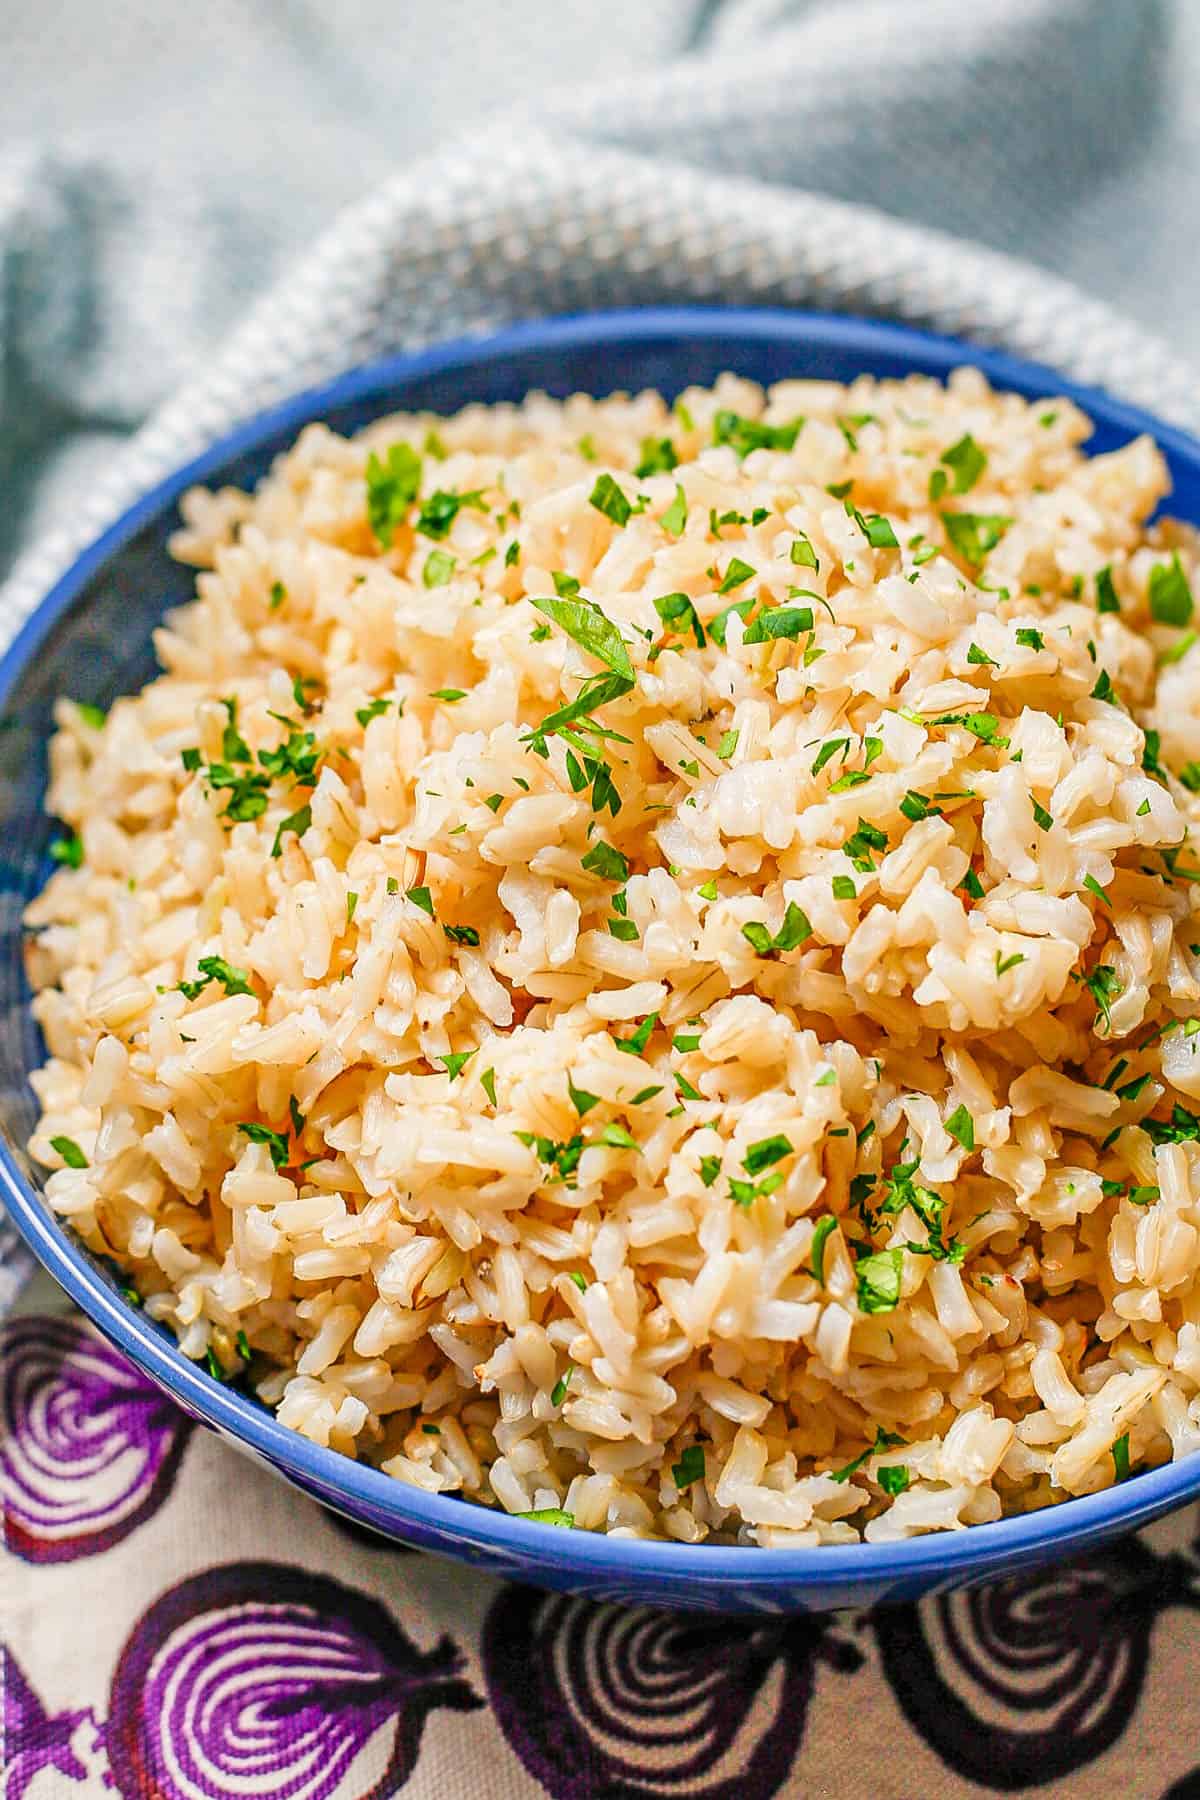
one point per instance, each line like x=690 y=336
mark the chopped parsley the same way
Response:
x=298 y=822
x=745 y=435
x=966 y=462
x=1093 y=887
x=802 y=552
x=351 y=906
x=828 y=750
x=916 y=806
x=634 y=1045
x=456 y=1063
x=659 y=457
x=581 y=1101
x=276 y=1141
x=877 y=530
x=779 y=622
x=608 y=499
x=884 y=1440
x=821 y=1234
x=791 y=934
x=1170 y=596
x=1103 y=689
x=439 y=512
x=603 y=860
x=617 y=1138
x=736 y=574
x=68 y=851
x=1029 y=639
x=365 y=714
x=878 y=1281
x=278 y=595
x=420 y=896
x=689 y=1468
x=766 y=1153
x=961 y=1125
x=549 y=1515
x=980 y=657
x=893 y=1478
x=70 y=1152
x=215 y=968
x=1104 y=985
x=679 y=611
x=461 y=934
x=844 y=888
x=1106 y=593
x=487 y=1082
x=1120 y=1456
x=973 y=535
x=1005 y=963
x=438 y=570
x=710 y=1168
x=624 y=929
x=728 y=744
x=676 y=515
x=718 y=626
x=1041 y=818
x=1183 y=1127
x=558 y=1392
x=1179 y=648
x=391 y=489
x=862 y=842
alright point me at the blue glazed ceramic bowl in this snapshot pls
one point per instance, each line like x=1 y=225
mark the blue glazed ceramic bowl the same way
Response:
x=91 y=638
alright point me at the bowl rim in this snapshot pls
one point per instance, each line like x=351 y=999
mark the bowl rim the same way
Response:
x=921 y=1562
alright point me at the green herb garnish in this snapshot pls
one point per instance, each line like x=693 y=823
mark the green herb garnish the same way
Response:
x=391 y=489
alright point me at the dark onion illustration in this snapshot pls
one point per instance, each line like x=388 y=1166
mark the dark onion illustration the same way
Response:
x=33 y=1739
x=90 y=1448
x=1017 y=1684
x=604 y=1702
x=260 y=1678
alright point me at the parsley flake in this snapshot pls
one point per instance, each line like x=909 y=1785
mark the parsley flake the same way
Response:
x=745 y=435
x=391 y=489
x=70 y=1152
x=608 y=499
x=1170 y=596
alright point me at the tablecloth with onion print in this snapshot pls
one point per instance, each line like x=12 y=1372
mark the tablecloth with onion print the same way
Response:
x=179 y=1625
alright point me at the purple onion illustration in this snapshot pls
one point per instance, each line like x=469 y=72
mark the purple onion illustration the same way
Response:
x=632 y=1704
x=90 y=1448
x=34 y=1739
x=1019 y=1683
x=260 y=1678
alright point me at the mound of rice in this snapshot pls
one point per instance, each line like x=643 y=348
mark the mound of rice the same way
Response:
x=638 y=964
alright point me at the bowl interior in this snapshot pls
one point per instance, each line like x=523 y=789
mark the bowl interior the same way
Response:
x=91 y=639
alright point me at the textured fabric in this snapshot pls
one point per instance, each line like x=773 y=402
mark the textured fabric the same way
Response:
x=160 y=163
x=718 y=153
x=180 y=1626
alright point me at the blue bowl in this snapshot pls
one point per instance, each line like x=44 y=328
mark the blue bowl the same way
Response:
x=91 y=638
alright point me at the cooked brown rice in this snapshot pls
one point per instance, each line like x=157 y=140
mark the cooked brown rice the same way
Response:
x=754 y=1106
